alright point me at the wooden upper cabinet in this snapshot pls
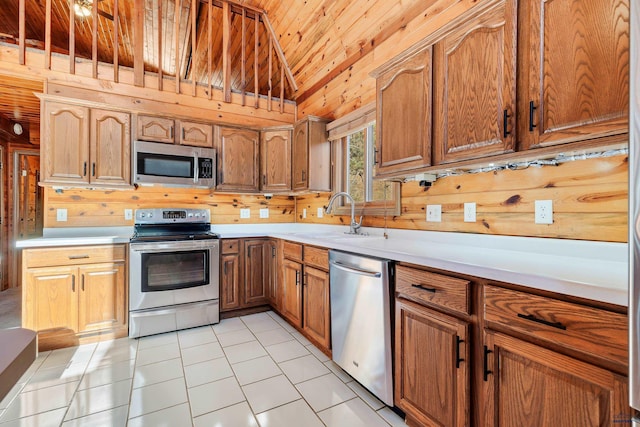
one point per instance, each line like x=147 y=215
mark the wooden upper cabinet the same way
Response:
x=475 y=87
x=238 y=154
x=195 y=134
x=275 y=155
x=65 y=148
x=155 y=129
x=526 y=382
x=310 y=144
x=404 y=111
x=110 y=147
x=574 y=68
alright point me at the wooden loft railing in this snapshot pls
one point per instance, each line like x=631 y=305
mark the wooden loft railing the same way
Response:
x=238 y=53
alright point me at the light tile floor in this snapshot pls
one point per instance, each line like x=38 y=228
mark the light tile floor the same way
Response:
x=254 y=370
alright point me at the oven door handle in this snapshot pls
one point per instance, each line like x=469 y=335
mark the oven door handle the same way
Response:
x=160 y=247
x=196 y=168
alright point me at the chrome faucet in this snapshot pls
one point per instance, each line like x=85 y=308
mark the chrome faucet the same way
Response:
x=354 y=227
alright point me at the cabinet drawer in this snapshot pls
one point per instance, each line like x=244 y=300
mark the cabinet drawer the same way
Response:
x=230 y=246
x=73 y=255
x=317 y=257
x=432 y=289
x=601 y=333
x=292 y=251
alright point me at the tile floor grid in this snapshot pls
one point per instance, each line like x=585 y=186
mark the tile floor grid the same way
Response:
x=254 y=370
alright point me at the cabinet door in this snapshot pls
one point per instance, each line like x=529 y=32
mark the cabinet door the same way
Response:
x=110 y=147
x=291 y=302
x=102 y=297
x=256 y=273
x=475 y=84
x=431 y=366
x=574 y=65
x=238 y=167
x=300 y=156
x=528 y=385
x=272 y=280
x=275 y=154
x=316 y=310
x=230 y=282
x=65 y=148
x=195 y=134
x=155 y=129
x=404 y=113
x=50 y=299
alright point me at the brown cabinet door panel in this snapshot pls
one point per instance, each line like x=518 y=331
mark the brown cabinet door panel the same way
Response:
x=574 y=67
x=475 y=69
x=291 y=301
x=300 y=156
x=238 y=159
x=156 y=129
x=51 y=299
x=275 y=154
x=102 y=297
x=317 y=312
x=110 y=147
x=229 y=282
x=531 y=386
x=195 y=134
x=256 y=272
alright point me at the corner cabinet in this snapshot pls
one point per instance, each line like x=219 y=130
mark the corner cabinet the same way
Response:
x=238 y=152
x=311 y=147
x=475 y=80
x=275 y=159
x=574 y=71
x=75 y=294
x=404 y=111
x=85 y=146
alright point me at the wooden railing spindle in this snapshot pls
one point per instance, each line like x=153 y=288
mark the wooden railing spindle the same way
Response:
x=244 y=56
x=160 y=45
x=270 y=73
x=47 y=36
x=255 y=62
x=94 y=39
x=194 y=12
x=138 y=43
x=209 y=36
x=72 y=40
x=226 y=51
x=22 y=31
x=177 y=15
x=116 y=41
x=281 y=88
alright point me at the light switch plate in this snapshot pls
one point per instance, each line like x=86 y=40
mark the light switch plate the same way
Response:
x=304 y=213
x=470 y=212
x=320 y=212
x=434 y=213
x=61 y=215
x=128 y=214
x=245 y=213
x=264 y=213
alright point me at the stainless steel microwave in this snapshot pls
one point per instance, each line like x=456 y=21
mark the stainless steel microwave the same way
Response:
x=173 y=165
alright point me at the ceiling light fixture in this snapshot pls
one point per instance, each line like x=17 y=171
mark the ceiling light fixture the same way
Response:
x=82 y=8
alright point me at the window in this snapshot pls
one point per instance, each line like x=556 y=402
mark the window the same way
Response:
x=354 y=153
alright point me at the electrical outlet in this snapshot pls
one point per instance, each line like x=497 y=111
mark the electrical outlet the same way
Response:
x=264 y=213
x=320 y=212
x=434 y=213
x=470 y=212
x=128 y=214
x=304 y=213
x=61 y=215
x=544 y=212
x=245 y=213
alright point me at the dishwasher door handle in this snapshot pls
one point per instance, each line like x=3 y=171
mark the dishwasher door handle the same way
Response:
x=356 y=270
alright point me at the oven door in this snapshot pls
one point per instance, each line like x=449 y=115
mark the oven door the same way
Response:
x=173 y=272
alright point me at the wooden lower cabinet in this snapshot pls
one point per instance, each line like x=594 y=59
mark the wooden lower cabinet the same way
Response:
x=256 y=272
x=291 y=299
x=529 y=385
x=230 y=281
x=74 y=295
x=431 y=366
x=316 y=310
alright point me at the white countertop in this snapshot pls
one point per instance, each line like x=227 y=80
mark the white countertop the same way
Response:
x=593 y=270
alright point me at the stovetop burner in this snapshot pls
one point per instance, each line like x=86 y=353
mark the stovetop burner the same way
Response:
x=156 y=225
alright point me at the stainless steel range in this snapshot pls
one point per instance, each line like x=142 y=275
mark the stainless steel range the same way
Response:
x=173 y=271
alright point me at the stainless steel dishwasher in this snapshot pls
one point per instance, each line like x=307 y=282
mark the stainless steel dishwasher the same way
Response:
x=361 y=320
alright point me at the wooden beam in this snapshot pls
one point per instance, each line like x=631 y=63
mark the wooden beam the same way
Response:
x=160 y=45
x=194 y=18
x=244 y=56
x=226 y=51
x=94 y=39
x=72 y=41
x=256 y=84
x=116 y=41
x=47 y=36
x=209 y=47
x=177 y=15
x=270 y=73
x=281 y=88
x=283 y=60
x=138 y=42
x=22 y=31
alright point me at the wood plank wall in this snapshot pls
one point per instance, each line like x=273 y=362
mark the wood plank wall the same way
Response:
x=590 y=202
x=100 y=208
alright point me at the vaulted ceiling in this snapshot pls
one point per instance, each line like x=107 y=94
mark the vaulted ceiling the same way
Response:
x=319 y=38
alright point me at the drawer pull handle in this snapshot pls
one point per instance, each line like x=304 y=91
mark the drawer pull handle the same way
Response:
x=458 y=358
x=78 y=256
x=485 y=364
x=73 y=283
x=424 y=288
x=533 y=318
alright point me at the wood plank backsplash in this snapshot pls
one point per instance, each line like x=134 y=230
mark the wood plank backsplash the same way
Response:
x=590 y=202
x=102 y=208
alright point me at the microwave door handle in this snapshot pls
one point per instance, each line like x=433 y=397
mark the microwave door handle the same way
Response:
x=196 y=169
